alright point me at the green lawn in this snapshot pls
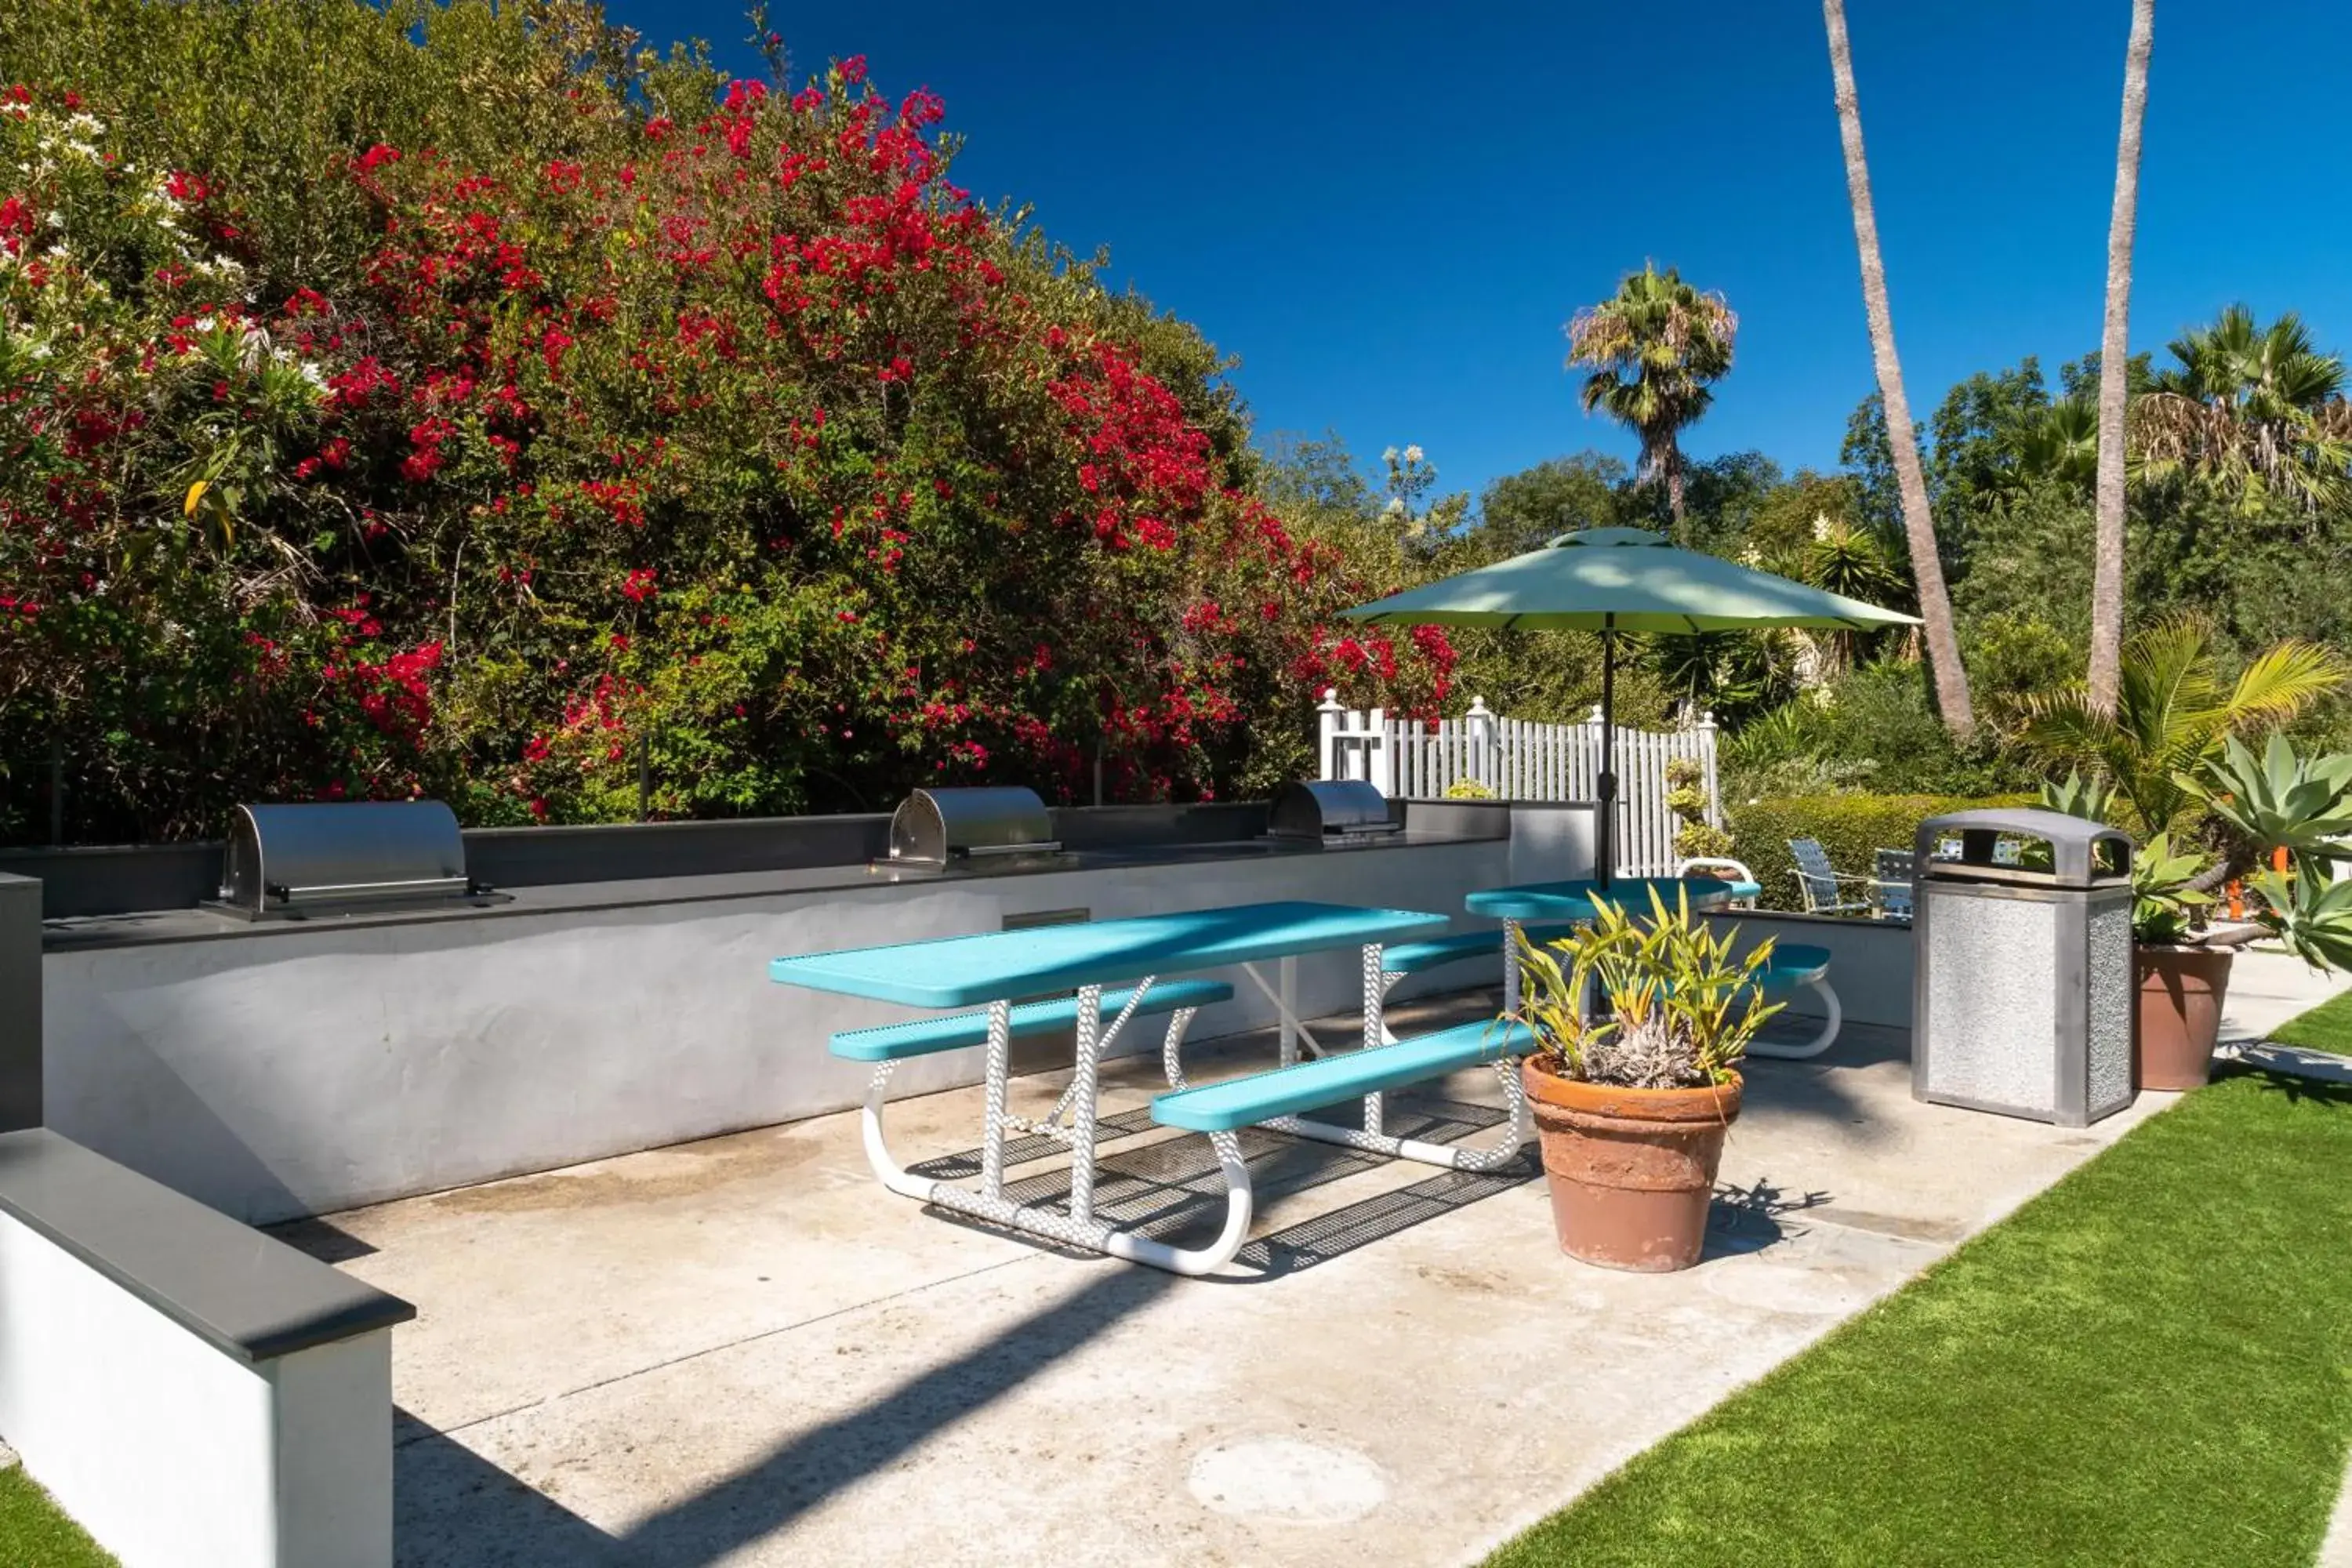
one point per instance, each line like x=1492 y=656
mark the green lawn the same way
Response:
x=2326 y=1027
x=2149 y=1364
x=36 y=1534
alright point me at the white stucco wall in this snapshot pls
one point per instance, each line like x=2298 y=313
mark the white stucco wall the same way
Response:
x=169 y=1450
x=305 y=1072
x=1871 y=962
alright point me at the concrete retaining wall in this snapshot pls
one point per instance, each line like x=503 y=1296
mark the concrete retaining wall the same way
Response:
x=1871 y=962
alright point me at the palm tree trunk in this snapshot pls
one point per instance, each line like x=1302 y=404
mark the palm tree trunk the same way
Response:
x=1674 y=464
x=1919 y=524
x=2114 y=361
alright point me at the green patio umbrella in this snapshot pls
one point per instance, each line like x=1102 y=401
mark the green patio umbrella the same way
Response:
x=1613 y=580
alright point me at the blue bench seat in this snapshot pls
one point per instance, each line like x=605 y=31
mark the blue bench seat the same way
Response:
x=1413 y=957
x=1793 y=964
x=921 y=1037
x=1344 y=1075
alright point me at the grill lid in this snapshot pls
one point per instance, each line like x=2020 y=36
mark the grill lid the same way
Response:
x=932 y=826
x=286 y=858
x=1328 y=809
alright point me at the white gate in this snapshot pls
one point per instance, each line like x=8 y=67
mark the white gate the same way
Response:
x=1517 y=759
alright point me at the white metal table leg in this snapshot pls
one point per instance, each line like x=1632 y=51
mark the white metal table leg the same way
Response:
x=1283 y=995
x=1287 y=1005
x=998 y=1068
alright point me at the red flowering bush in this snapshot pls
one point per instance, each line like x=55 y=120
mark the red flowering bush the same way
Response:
x=695 y=417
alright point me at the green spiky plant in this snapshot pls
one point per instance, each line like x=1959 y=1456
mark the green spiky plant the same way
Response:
x=1681 y=1008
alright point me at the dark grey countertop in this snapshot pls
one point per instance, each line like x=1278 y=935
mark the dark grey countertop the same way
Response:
x=247 y=1294
x=71 y=933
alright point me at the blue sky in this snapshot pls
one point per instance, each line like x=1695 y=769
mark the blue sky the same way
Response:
x=1388 y=212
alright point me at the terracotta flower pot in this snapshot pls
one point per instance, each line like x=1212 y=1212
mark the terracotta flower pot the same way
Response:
x=1631 y=1169
x=2180 y=994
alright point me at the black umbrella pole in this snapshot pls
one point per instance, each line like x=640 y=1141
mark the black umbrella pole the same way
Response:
x=1605 y=838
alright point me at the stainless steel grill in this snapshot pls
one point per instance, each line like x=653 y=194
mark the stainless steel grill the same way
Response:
x=1332 y=811
x=934 y=827
x=288 y=860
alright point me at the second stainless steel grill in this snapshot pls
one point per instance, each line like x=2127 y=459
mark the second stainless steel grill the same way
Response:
x=934 y=827
x=1332 y=811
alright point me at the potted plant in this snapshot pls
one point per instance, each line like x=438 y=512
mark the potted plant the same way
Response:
x=2279 y=806
x=1633 y=1106
x=2182 y=975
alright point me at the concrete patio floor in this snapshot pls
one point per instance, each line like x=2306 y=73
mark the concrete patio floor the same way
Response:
x=744 y=1351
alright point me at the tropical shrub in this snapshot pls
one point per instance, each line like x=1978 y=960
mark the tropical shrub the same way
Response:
x=1851 y=827
x=1681 y=1008
x=463 y=401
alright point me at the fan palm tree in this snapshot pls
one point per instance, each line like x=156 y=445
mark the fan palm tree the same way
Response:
x=2114 y=363
x=2173 y=714
x=2060 y=442
x=1654 y=348
x=1918 y=524
x=2256 y=414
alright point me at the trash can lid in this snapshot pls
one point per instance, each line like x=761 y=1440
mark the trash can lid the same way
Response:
x=2076 y=845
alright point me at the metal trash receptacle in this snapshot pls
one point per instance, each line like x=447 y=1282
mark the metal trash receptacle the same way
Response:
x=2022 y=1002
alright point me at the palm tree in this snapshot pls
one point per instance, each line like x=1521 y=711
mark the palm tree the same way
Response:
x=2059 y=443
x=2114 y=364
x=2173 y=714
x=1919 y=524
x=2254 y=414
x=1655 y=347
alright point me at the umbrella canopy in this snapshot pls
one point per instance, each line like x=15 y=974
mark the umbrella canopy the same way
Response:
x=1612 y=580
x=1627 y=580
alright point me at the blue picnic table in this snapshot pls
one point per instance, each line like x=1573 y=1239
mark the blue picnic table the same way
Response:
x=989 y=969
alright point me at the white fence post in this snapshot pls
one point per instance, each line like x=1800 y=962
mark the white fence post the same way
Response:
x=1328 y=715
x=1706 y=760
x=1480 y=726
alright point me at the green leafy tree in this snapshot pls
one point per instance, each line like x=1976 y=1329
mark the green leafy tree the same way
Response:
x=1654 y=351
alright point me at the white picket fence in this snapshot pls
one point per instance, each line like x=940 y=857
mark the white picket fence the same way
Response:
x=1521 y=760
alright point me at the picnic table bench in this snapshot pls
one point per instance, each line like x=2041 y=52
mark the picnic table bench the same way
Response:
x=989 y=969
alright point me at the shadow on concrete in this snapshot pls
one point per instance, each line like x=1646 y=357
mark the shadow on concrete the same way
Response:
x=453 y=1509
x=802 y=1473
x=1173 y=1191
x=1750 y=1219
x=326 y=1243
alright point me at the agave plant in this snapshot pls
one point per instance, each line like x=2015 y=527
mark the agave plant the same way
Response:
x=1682 y=1009
x=2166 y=901
x=2282 y=801
x=2311 y=914
x=2090 y=799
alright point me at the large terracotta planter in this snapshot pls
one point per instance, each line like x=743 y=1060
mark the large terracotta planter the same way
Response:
x=1631 y=1169
x=2180 y=994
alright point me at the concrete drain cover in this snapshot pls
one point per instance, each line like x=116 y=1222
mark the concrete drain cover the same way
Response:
x=1286 y=1481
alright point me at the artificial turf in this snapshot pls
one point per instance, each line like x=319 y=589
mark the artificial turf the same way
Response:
x=2150 y=1363
x=36 y=1534
x=2326 y=1027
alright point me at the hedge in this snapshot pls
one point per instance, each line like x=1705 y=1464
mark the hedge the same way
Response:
x=1852 y=828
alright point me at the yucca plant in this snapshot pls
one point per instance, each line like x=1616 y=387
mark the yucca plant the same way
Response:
x=1681 y=1008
